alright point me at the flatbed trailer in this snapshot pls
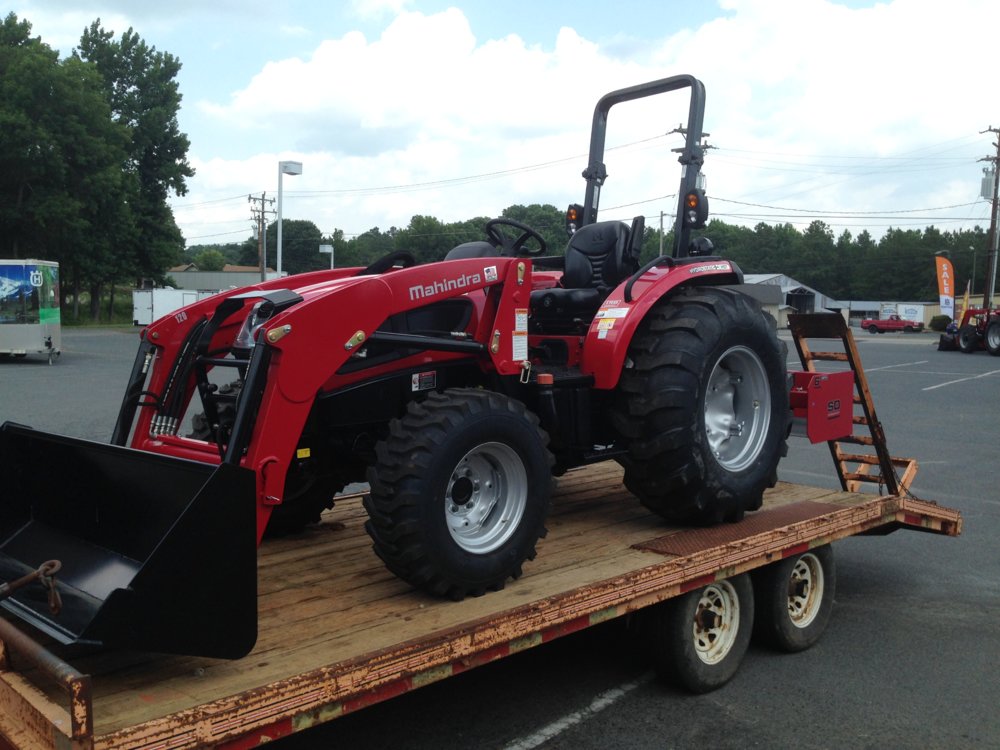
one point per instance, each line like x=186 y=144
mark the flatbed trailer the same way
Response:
x=338 y=632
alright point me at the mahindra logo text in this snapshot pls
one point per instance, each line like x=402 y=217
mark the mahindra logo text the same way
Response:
x=444 y=285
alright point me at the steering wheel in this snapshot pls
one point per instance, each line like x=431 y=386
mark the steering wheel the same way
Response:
x=400 y=257
x=515 y=247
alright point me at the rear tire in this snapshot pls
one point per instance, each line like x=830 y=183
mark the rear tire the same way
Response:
x=794 y=599
x=702 y=407
x=460 y=492
x=697 y=641
x=992 y=338
x=968 y=339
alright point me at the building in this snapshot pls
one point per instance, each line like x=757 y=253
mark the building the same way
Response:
x=780 y=295
x=187 y=276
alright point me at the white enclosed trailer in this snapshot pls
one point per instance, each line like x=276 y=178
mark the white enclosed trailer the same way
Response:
x=29 y=308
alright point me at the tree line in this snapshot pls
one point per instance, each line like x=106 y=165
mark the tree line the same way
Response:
x=898 y=266
x=91 y=150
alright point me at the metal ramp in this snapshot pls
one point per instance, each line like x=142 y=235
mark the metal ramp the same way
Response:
x=868 y=459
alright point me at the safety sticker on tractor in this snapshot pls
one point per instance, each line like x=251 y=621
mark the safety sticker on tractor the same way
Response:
x=423 y=381
x=612 y=312
x=519 y=339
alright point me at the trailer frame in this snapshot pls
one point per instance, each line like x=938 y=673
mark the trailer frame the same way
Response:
x=605 y=558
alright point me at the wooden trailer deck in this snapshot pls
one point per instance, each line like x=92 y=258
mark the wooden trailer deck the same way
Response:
x=339 y=632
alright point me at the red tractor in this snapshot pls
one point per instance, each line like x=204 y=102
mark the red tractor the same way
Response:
x=456 y=389
x=980 y=328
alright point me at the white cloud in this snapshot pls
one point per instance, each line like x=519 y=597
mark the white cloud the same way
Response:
x=812 y=105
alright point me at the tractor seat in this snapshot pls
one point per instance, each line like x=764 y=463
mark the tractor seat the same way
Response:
x=598 y=258
x=476 y=249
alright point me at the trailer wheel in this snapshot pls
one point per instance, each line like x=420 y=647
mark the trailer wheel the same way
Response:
x=794 y=599
x=968 y=339
x=702 y=407
x=460 y=492
x=993 y=337
x=698 y=640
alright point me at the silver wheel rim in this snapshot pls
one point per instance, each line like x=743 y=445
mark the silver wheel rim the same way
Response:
x=486 y=498
x=716 y=622
x=805 y=590
x=737 y=408
x=993 y=336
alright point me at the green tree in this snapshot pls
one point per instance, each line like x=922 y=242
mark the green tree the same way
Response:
x=425 y=238
x=300 y=241
x=60 y=161
x=210 y=260
x=144 y=97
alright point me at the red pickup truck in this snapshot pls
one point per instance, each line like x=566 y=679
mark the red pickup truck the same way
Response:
x=892 y=323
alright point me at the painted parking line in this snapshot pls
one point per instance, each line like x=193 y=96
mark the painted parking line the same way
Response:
x=601 y=702
x=962 y=380
x=903 y=364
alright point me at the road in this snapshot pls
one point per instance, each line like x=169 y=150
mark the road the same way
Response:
x=910 y=659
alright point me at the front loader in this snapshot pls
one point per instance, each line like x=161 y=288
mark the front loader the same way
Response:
x=457 y=390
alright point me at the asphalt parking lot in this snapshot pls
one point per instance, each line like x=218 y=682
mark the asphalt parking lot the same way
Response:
x=911 y=658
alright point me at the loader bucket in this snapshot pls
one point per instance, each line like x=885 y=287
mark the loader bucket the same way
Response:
x=157 y=553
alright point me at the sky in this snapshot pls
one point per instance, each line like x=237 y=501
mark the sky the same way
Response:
x=862 y=115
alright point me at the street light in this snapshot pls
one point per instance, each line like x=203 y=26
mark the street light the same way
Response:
x=284 y=167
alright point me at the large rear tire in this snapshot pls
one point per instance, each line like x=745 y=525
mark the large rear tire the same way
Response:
x=702 y=407
x=460 y=492
x=968 y=339
x=992 y=337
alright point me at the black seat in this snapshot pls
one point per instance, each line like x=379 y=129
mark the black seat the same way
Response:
x=598 y=257
x=476 y=249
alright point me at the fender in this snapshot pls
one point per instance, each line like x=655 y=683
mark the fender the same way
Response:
x=619 y=316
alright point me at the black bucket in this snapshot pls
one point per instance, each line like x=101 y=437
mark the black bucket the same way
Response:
x=158 y=553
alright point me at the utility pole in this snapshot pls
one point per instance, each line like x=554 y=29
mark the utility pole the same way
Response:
x=994 y=235
x=258 y=213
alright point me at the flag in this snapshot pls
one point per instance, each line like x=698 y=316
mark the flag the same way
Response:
x=946 y=285
x=965 y=299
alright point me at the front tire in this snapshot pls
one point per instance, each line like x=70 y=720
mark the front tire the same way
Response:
x=968 y=339
x=697 y=641
x=794 y=599
x=702 y=407
x=460 y=492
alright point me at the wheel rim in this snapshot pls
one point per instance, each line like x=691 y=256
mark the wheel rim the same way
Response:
x=716 y=622
x=805 y=590
x=737 y=408
x=993 y=336
x=486 y=497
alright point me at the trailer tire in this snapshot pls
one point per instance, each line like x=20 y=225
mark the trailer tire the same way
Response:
x=968 y=339
x=460 y=492
x=794 y=599
x=697 y=640
x=992 y=337
x=702 y=407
